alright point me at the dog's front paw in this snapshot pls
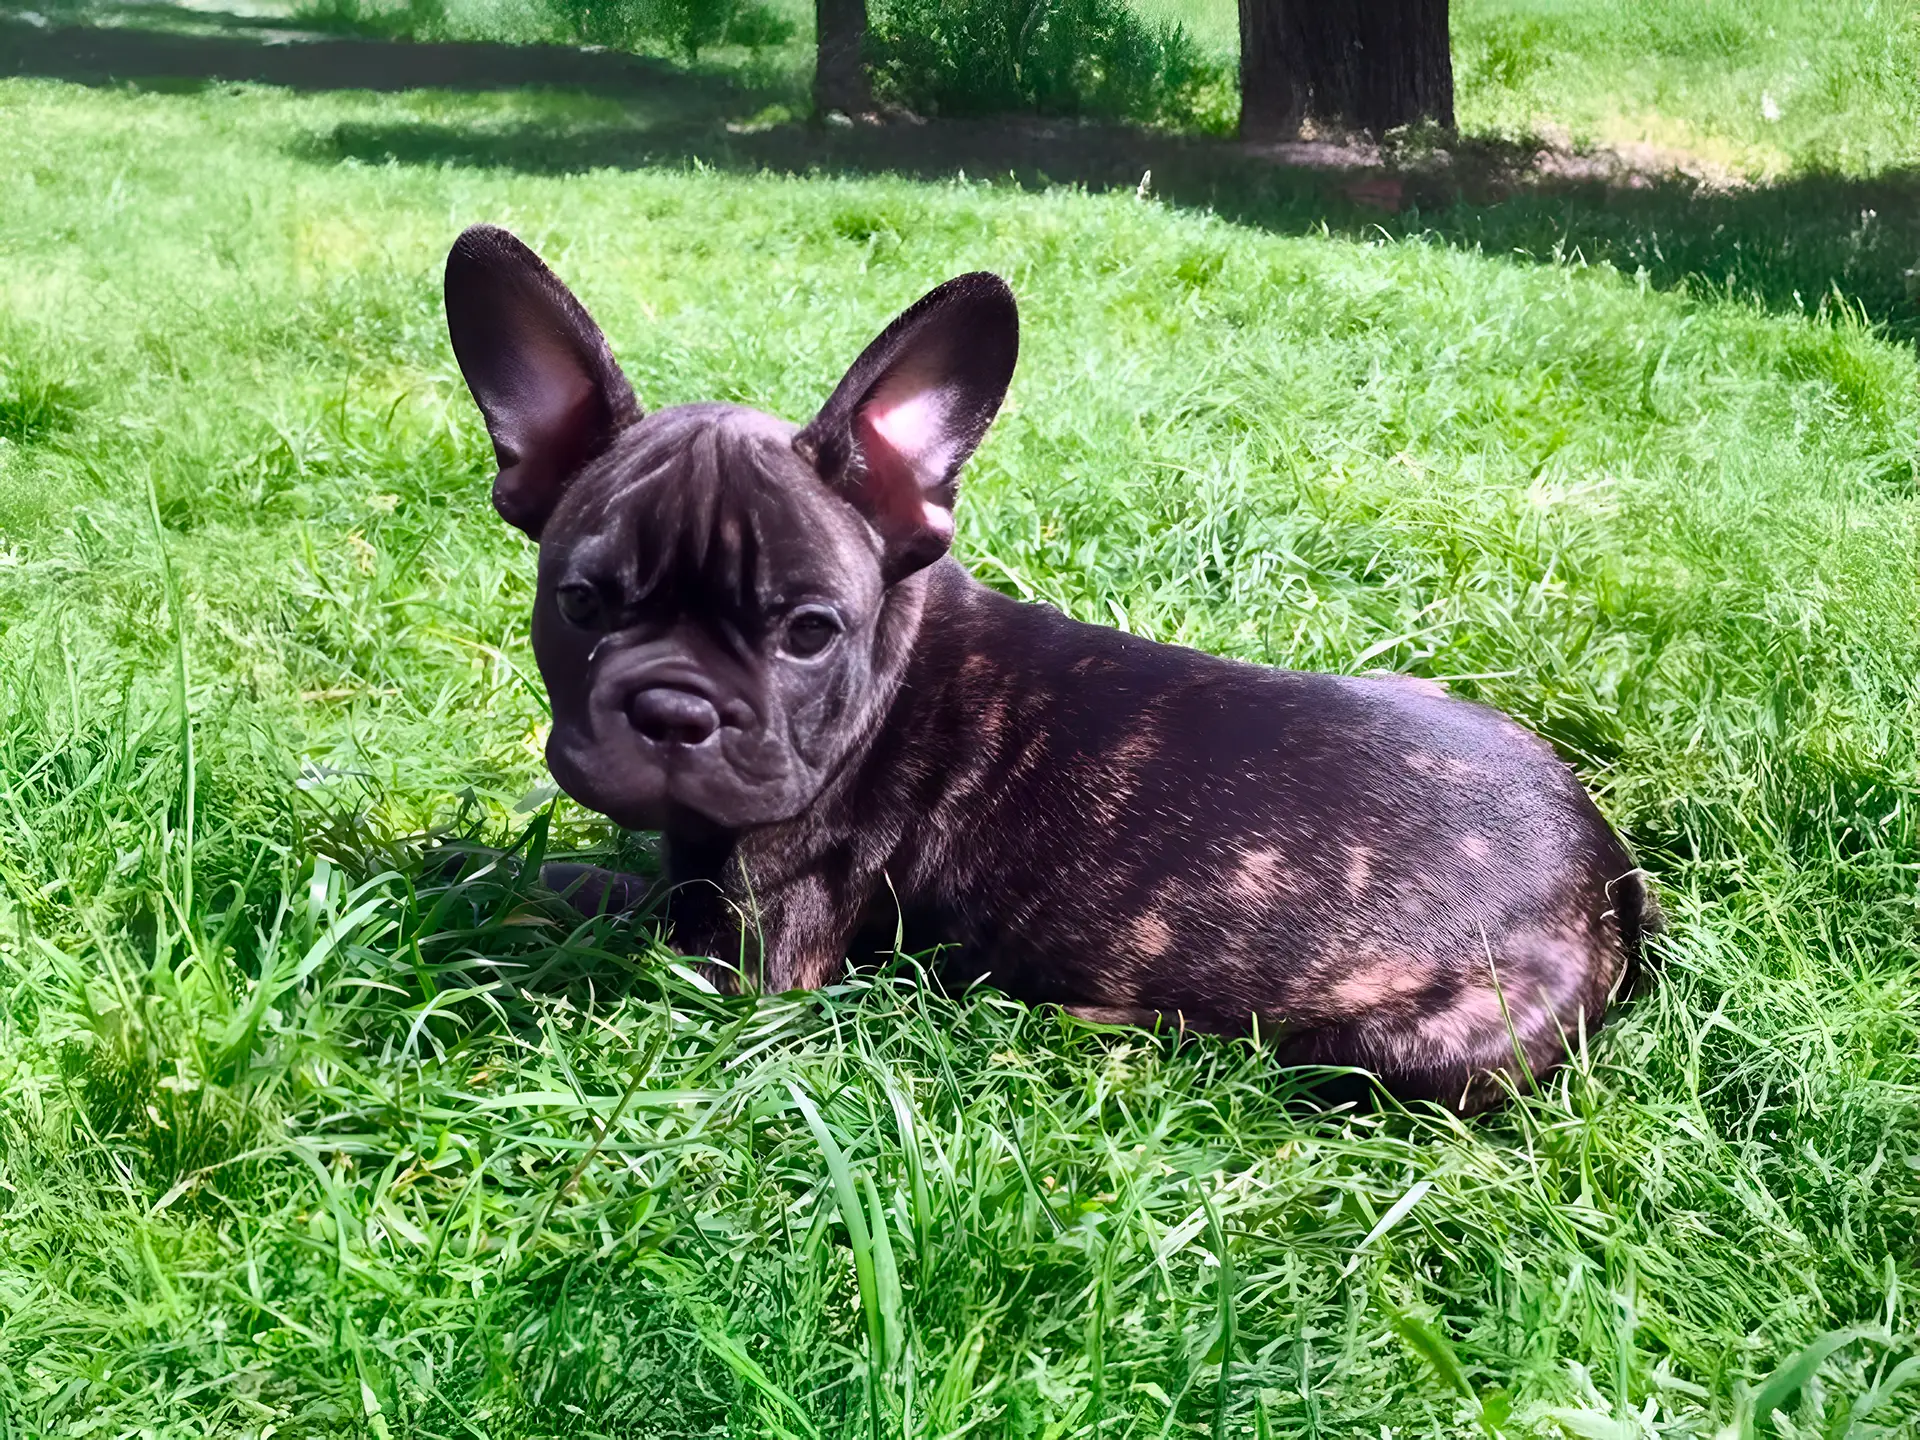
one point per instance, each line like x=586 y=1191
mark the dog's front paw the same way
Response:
x=594 y=889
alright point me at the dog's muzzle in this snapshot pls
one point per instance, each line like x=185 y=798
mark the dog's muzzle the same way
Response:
x=669 y=715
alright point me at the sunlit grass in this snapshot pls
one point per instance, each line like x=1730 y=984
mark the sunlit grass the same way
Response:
x=313 y=1122
x=1751 y=87
x=1734 y=90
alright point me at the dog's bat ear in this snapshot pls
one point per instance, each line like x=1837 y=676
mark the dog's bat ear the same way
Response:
x=538 y=367
x=892 y=437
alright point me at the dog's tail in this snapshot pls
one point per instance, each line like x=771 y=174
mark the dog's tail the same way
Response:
x=1640 y=918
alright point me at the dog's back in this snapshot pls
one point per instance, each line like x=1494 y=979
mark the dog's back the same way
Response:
x=1383 y=874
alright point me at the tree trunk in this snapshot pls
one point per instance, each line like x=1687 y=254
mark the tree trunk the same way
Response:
x=840 y=69
x=1345 y=64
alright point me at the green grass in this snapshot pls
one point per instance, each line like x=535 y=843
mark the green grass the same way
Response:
x=1731 y=89
x=1749 y=87
x=1692 y=80
x=309 y=1124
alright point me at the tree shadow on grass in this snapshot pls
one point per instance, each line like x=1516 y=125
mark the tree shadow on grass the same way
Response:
x=230 y=49
x=1791 y=245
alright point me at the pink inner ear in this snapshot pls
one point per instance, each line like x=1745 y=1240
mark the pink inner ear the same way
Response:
x=938 y=519
x=894 y=445
x=907 y=447
x=910 y=411
x=911 y=425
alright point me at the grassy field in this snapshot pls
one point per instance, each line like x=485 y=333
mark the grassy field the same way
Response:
x=305 y=1129
x=1727 y=88
x=1750 y=87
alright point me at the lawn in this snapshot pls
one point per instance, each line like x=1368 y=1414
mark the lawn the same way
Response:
x=312 y=1124
x=1749 y=87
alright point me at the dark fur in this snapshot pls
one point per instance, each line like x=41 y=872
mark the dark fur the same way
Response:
x=1385 y=876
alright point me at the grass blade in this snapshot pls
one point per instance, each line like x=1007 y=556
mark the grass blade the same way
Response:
x=1434 y=1348
x=1225 y=1286
x=1778 y=1390
x=1395 y=1214
x=846 y=1194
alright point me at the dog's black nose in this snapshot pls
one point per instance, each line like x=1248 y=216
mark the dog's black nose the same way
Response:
x=668 y=716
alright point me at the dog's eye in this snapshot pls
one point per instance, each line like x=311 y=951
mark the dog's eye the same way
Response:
x=579 y=604
x=810 y=631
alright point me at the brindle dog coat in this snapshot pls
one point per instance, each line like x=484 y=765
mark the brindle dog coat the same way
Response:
x=755 y=641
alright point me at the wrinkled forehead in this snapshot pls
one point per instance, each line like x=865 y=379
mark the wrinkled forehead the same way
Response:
x=711 y=502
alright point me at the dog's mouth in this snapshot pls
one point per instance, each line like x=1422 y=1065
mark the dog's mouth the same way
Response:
x=673 y=744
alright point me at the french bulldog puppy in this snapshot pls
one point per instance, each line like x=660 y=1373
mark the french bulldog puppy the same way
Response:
x=755 y=642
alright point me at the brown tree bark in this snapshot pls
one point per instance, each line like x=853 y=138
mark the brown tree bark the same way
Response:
x=1343 y=64
x=840 y=69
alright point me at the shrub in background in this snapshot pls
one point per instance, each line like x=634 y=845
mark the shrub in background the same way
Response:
x=689 y=26
x=685 y=26
x=1094 y=58
x=413 y=20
